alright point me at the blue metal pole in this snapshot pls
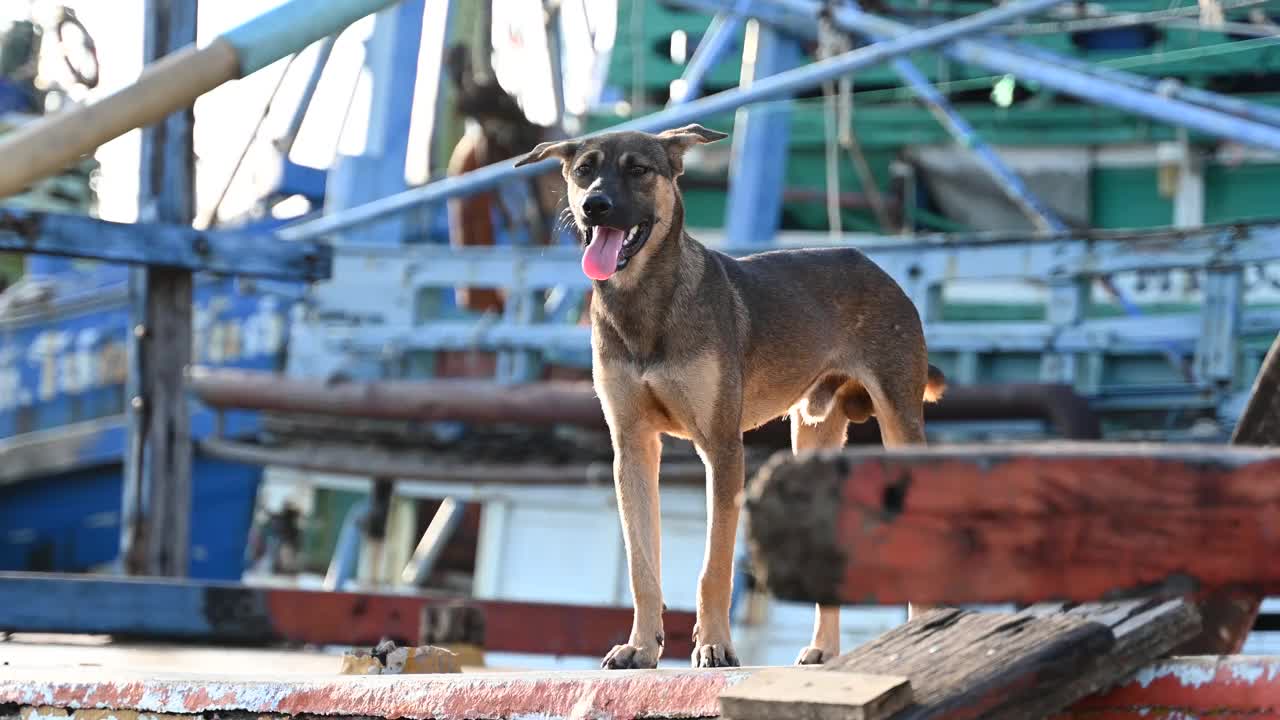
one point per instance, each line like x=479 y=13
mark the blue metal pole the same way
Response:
x=392 y=61
x=799 y=23
x=293 y=26
x=711 y=49
x=1004 y=176
x=39 y=149
x=1170 y=88
x=1053 y=74
x=770 y=88
x=284 y=143
x=758 y=164
x=966 y=136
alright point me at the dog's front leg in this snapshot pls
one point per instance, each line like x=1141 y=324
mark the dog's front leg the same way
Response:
x=636 y=456
x=712 y=646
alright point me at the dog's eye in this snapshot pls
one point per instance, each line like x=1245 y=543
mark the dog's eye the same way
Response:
x=637 y=170
x=582 y=170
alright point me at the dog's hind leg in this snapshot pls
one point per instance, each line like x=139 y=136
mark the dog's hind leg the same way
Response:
x=830 y=433
x=900 y=411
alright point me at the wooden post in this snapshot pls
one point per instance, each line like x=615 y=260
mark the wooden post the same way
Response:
x=157 y=492
x=1071 y=521
x=1229 y=615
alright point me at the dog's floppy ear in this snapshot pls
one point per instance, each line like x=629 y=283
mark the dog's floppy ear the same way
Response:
x=679 y=140
x=562 y=149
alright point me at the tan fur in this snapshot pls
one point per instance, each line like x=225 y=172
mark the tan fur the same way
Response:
x=691 y=343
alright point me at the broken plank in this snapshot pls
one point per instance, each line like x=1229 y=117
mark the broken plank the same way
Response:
x=1019 y=523
x=965 y=665
x=806 y=693
x=1144 y=630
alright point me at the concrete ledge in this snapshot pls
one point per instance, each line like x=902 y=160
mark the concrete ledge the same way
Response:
x=1228 y=687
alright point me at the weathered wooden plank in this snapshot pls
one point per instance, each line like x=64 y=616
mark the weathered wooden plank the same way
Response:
x=805 y=693
x=1144 y=630
x=1021 y=666
x=965 y=665
x=1022 y=523
x=155 y=534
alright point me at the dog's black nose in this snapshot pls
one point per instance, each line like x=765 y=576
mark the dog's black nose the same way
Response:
x=596 y=206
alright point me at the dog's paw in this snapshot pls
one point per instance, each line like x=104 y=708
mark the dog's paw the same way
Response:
x=814 y=656
x=714 y=656
x=630 y=657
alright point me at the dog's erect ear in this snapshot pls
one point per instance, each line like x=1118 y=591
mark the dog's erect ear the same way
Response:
x=692 y=134
x=563 y=150
x=679 y=140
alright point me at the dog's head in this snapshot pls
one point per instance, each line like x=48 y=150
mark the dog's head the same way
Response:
x=622 y=191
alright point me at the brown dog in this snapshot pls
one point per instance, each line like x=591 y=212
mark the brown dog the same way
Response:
x=691 y=343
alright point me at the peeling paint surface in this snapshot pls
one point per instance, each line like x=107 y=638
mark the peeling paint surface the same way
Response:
x=1212 y=688
x=597 y=695
x=1202 y=688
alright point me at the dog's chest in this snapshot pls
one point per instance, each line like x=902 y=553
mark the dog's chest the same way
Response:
x=681 y=398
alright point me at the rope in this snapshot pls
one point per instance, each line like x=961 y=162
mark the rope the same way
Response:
x=211 y=218
x=831 y=43
x=838 y=102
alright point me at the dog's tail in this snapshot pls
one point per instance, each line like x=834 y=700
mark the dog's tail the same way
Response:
x=935 y=386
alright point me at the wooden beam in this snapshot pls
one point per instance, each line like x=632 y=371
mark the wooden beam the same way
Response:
x=155 y=533
x=248 y=253
x=232 y=614
x=1081 y=522
x=807 y=693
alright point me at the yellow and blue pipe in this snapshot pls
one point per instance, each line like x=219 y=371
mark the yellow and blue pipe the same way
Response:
x=45 y=147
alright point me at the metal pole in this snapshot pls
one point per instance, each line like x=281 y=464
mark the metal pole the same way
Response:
x=284 y=143
x=40 y=149
x=758 y=163
x=1167 y=87
x=715 y=42
x=392 y=61
x=770 y=88
x=797 y=22
x=292 y=26
x=964 y=134
x=1054 y=74
x=155 y=532
x=1004 y=176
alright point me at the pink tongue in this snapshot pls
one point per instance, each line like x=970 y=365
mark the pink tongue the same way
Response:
x=601 y=259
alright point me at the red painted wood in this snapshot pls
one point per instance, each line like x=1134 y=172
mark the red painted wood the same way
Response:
x=1221 y=688
x=1060 y=525
x=574 y=630
x=364 y=619
x=1025 y=524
